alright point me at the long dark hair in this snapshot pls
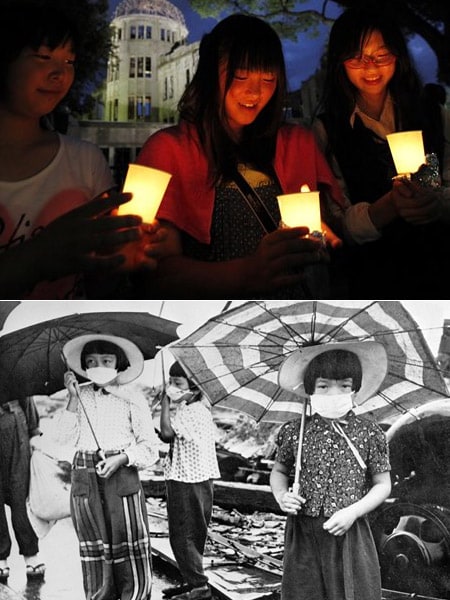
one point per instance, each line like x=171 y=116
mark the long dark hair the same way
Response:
x=347 y=37
x=245 y=42
x=30 y=24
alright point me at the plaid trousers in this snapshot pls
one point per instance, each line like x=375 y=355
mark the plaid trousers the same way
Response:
x=110 y=520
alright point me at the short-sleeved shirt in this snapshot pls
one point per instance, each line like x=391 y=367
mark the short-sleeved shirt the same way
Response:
x=331 y=477
x=193 y=455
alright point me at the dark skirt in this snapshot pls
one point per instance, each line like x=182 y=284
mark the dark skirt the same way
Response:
x=321 y=566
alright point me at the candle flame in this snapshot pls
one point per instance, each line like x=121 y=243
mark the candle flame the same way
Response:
x=305 y=188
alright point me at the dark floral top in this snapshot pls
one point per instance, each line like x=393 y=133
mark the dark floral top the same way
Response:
x=331 y=477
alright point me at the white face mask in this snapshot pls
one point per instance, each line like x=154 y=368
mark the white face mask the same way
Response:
x=101 y=375
x=175 y=393
x=331 y=406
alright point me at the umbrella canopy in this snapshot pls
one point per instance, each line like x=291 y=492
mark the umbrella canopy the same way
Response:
x=235 y=356
x=6 y=307
x=31 y=358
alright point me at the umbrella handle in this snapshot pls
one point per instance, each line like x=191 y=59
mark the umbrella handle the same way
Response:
x=100 y=452
x=298 y=464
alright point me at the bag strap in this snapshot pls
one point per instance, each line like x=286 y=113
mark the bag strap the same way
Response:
x=255 y=203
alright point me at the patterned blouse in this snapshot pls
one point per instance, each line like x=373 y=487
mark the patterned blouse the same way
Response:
x=121 y=419
x=331 y=477
x=193 y=454
x=236 y=232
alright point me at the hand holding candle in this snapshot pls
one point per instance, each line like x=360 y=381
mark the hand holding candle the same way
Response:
x=148 y=187
x=301 y=209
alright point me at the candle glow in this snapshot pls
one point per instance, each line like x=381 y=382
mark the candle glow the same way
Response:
x=148 y=187
x=407 y=151
x=301 y=209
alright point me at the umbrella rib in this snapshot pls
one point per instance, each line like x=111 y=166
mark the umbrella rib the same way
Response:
x=332 y=333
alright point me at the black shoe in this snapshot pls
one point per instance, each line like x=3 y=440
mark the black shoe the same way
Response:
x=4 y=574
x=175 y=590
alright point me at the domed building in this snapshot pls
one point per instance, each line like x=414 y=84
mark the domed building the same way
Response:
x=152 y=62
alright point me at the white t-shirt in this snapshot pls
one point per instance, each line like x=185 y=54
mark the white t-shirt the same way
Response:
x=78 y=173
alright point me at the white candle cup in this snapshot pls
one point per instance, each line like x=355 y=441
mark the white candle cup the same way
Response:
x=407 y=151
x=301 y=210
x=148 y=187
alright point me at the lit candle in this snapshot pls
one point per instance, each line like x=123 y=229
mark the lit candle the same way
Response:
x=301 y=209
x=148 y=187
x=407 y=151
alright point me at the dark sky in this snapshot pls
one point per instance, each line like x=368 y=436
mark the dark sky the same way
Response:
x=303 y=56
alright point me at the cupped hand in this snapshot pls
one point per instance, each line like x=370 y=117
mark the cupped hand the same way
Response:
x=145 y=253
x=88 y=237
x=105 y=468
x=281 y=256
x=341 y=521
x=416 y=204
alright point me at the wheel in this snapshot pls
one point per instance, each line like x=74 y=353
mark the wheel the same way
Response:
x=413 y=543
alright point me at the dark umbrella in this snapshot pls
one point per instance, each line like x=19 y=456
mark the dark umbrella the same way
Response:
x=6 y=307
x=31 y=358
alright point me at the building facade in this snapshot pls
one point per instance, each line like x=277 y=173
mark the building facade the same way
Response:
x=152 y=62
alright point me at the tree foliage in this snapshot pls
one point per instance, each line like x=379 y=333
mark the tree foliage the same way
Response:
x=430 y=19
x=92 y=17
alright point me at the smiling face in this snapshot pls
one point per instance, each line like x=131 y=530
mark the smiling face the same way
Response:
x=248 y=94
x=39 y=79
x=372 y=79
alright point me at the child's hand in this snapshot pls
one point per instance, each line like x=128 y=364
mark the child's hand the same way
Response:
x=71 y=383
x=341 y=521
x=105 y=468
x=290 y=503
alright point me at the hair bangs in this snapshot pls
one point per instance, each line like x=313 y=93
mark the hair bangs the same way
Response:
x=105 y=347
x=336 y=365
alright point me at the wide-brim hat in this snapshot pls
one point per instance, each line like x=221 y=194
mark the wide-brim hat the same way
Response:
x=72 y=351
x=373 y=359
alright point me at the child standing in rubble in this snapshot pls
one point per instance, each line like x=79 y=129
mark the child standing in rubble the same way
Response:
x=329 y=551
x=190 y=468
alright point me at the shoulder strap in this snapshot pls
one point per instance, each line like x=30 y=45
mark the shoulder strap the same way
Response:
x=255 y=203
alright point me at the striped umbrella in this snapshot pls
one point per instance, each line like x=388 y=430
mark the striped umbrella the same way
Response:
x=235 y=356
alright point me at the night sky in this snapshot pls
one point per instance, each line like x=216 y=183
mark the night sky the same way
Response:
x=301 y=66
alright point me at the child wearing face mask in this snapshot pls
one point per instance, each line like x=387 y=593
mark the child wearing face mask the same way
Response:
x=190 y=468
x=329 y=549
x=107 y=501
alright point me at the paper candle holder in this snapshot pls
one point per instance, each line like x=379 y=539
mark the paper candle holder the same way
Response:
x=407 y=151
x=301 y=209
x=148 y=187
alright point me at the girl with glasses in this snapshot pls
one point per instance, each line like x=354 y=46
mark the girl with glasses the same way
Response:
x=372 y=89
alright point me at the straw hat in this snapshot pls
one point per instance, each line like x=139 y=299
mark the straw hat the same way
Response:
x=373 y=359
x=72 y=352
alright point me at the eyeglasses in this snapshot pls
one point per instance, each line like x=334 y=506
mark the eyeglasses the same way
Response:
x=379 y=60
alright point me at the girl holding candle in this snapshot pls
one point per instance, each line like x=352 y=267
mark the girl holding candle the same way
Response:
x=232 y=120
x=371 y=90
x=54 y=221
